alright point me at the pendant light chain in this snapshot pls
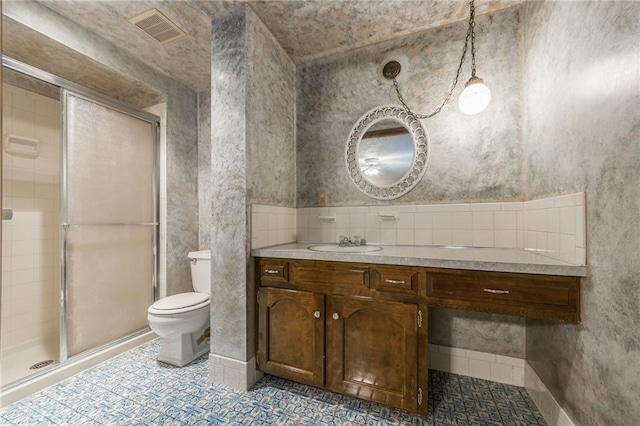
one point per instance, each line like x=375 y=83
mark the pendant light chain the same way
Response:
x=472 y=28
x=471 y=35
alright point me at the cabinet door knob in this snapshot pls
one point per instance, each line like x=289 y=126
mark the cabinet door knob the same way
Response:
x=335 y=316
x=316 y=314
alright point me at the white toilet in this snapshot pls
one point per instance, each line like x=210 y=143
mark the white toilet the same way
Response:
x=182 y=320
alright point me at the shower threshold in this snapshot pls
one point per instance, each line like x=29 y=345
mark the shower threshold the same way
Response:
x=52 y=374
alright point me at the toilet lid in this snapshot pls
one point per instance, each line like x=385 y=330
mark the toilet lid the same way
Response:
x=182 y=300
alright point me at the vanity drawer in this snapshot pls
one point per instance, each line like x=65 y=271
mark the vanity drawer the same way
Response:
x=549 y=297
x=274 y=270
x=396 y=279
x=330 y=275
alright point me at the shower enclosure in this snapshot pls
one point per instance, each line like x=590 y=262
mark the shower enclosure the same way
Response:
x=80 y=222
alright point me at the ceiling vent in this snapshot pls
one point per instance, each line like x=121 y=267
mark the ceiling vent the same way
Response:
x=158 y=26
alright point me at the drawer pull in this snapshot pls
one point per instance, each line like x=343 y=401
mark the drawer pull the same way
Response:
x=316 y=314
x=271 y=271
x=490 y=290
x=399 y=282
x=335 y=316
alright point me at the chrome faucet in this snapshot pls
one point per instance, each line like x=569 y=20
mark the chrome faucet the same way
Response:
x=346 y=241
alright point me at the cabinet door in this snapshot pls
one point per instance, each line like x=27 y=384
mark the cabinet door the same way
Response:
x=291 y=335
x=372 y=351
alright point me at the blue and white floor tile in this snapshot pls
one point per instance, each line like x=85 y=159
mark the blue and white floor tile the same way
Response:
x=134 y=389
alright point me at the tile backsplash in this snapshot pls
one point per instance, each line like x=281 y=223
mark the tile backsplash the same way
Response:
x=553 y=227
x=271 y=225
x=556 y=227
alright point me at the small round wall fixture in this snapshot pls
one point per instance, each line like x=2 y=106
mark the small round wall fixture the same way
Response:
x=387 y=152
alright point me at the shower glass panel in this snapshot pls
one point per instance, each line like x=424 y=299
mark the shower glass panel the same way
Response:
x=109 y=223
x=30 y=285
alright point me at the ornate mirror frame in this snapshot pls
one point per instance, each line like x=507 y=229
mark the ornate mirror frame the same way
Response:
x=421 y=156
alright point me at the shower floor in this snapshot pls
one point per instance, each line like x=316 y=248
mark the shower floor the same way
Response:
x=15 y=362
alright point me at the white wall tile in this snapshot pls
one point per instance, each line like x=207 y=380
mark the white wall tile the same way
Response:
x=423 y=237
x=371 y=221
x=567 y=221
x=476 y=207
x=441 y=220
x=580 y=226
x=462 y=238
x=461 y=220
x=518 y=376
x=483 y=356
x=505 y=239
x=405 y=237
x=483 y=238
x=406 y=221
x=372 y=236
x=358 y=210
x=512 y=206
x=553 y=220
x=459 y=352
x=512 y=361
x=388 y=236
x=356 y=220
x=505 y=220
x=480 y=369
x=423 y=220
x=482 y=220
x=564 y=200
x=441 y=237
x=502 y=373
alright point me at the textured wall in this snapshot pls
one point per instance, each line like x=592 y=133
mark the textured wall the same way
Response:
x=472 y=158
x=271 y=152
x=251 y=159
x=182 y=201
x=271 y=155
x=204 y=170
x=583 y=132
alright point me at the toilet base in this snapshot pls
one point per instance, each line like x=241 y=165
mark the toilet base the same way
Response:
x=180 y=349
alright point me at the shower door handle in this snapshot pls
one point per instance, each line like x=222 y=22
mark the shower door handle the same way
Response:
x=75 y=225
x=7 y=214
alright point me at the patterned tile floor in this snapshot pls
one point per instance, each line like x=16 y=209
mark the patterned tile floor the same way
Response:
x=134 y=389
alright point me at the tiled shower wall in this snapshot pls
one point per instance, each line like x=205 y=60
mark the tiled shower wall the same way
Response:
x=552 y=226
x=30 y=263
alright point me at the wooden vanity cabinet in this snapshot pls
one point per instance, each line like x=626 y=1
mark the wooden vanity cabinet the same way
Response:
x=291 y=335
x=360 y=329
x=328 y=328
x=373 y=348
x=526 y=295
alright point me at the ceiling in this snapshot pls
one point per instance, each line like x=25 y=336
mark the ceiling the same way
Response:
x=307 y=30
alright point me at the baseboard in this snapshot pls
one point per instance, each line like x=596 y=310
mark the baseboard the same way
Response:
x=240 y=375
x=502 y=369
x=482 y=365
x=552 y=412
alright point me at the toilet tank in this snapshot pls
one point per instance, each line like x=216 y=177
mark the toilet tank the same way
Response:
x=200 y=270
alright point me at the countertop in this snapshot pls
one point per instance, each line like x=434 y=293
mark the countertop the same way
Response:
x=470 y=258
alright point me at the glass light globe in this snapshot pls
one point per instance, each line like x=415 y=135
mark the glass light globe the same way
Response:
x=475 y=97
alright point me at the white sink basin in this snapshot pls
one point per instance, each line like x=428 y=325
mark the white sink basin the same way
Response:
x=337 y=249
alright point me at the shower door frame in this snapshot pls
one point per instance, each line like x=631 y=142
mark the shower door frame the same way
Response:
x=99 y=99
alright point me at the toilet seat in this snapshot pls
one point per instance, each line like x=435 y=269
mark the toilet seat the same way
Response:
x=179 y=303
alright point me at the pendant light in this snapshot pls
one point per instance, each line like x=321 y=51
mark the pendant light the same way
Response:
x=476 y=95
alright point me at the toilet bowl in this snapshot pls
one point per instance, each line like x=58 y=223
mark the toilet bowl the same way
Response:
x=182 y=320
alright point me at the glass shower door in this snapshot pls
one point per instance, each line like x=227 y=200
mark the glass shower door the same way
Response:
x=109 y=223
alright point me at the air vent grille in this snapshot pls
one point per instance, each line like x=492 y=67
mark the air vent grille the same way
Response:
x=158 y=26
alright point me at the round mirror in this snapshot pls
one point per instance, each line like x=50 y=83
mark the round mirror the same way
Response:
x=387 y=152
